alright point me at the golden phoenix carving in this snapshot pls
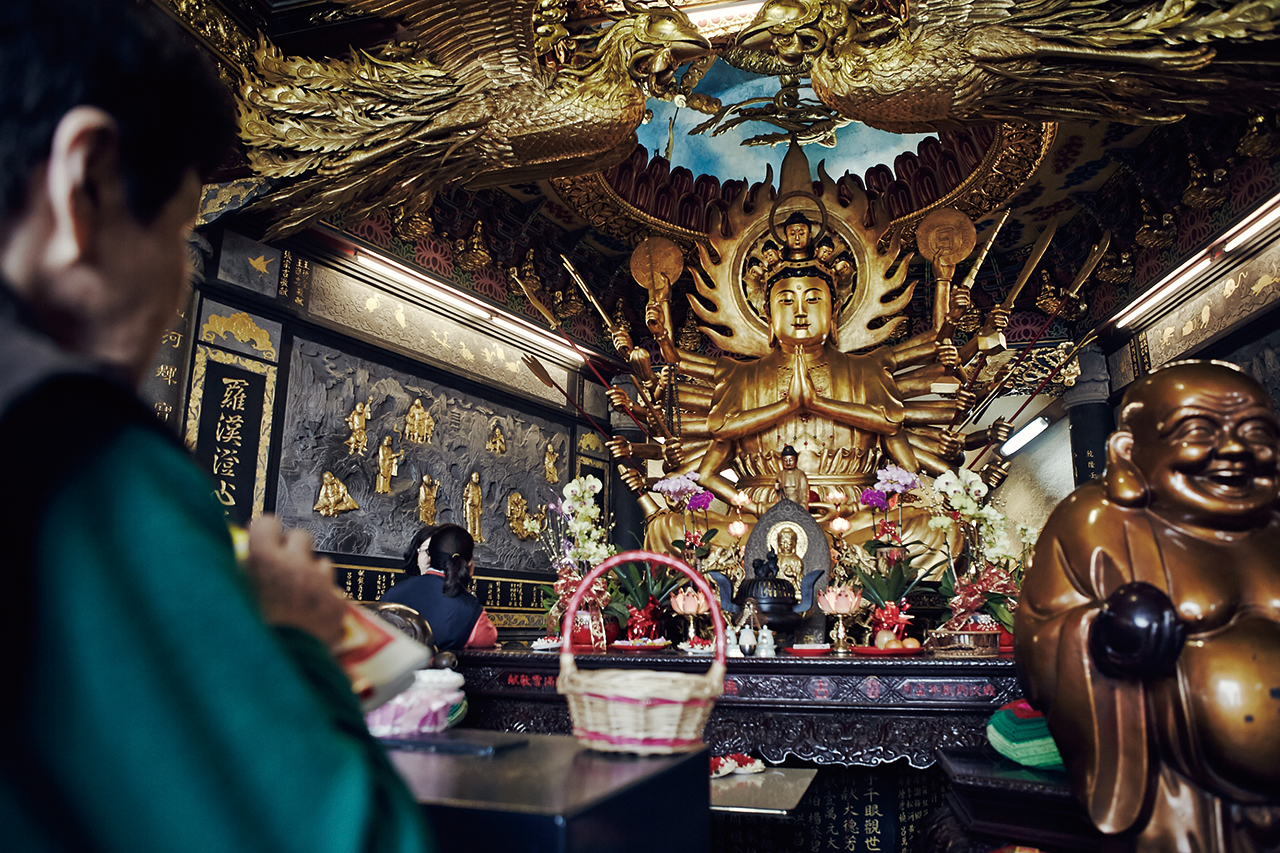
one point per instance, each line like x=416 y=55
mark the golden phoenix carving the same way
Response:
x=467 y=103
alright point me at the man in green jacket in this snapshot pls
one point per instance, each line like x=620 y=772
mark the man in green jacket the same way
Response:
x=159 y=696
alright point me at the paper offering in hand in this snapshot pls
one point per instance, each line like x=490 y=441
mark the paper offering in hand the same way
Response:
x=377 y=658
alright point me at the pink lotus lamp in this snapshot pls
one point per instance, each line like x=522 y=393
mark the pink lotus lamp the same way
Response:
x=840 y=602
x=690 y=603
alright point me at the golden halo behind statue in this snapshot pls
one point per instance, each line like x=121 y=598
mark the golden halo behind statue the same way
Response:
x=802 y=538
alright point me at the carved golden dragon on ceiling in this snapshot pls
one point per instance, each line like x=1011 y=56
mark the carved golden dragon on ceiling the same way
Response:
x=927 y=65
x=466 y=102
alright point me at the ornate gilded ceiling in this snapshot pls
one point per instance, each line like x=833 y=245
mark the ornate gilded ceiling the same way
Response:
x=513 y=120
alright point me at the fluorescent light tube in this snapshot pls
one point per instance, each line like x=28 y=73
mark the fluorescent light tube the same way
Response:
x=1244 y=236
x=1023 y=437
x=441 y=293
x=1163 y=291
x=545 y=341
x=539 y=338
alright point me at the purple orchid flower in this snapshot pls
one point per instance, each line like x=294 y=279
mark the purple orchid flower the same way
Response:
x=873 y=498
x=701 y=500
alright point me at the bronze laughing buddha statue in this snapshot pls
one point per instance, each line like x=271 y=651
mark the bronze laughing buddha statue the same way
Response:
x=1149 y=624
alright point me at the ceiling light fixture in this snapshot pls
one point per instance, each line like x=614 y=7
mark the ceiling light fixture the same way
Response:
x=444 y=293
x=1258 y=220
x=1023 y=436
x=1164 y=289
x=539 y=338
x=1239 y=236
x=437 y=290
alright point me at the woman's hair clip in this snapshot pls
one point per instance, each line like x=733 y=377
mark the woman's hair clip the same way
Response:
x=454 y=555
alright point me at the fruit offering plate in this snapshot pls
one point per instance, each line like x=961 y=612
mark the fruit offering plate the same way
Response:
x=872 y=650
x=545 y=644
x=641 y=645
x=808 y=650
x=697 y=647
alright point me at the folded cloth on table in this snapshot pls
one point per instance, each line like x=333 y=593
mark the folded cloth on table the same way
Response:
x=1019 y=732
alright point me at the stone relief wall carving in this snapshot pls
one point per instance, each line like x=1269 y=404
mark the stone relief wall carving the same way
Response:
x=324 y=386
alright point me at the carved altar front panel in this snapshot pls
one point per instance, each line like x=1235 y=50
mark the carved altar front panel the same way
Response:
x=839 y=712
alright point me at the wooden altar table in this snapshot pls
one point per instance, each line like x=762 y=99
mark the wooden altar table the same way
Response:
x=854 y=711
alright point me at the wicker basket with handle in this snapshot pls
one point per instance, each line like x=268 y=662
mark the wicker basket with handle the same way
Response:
x=640 y=711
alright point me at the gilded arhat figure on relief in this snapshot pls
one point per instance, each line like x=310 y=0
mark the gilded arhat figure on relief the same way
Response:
x=472 y=506
x=497 y=443
x=388 y=466
x=1149 y=623
x=358 y=422
x=418 y=423
x=427 y=492
x=549 y=464
x=334 y=497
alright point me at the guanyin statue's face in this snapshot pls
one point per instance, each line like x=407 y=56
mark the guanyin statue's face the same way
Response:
x=800 y=311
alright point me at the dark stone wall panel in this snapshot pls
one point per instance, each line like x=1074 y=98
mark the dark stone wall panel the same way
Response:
x=324 y=386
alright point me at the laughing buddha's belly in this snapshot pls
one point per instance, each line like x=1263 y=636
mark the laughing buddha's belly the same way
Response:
x=1231 y=697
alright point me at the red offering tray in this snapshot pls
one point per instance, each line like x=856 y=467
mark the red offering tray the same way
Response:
x=872 y=650
x=807 y=653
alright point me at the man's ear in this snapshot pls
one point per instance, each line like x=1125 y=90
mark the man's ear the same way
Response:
x=1124 y=482
x=82 y=183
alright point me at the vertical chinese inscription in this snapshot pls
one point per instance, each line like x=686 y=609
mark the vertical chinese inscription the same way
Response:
x=229 y=415
x=228 y=438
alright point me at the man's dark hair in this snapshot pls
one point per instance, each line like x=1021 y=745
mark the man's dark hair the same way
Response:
x=125 y=58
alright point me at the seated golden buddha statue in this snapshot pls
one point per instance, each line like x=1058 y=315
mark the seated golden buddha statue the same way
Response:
x=1149 y=624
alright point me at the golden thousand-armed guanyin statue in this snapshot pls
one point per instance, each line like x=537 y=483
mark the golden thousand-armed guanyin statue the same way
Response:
x=478 y=98
x=817 y=373
x=927 y=65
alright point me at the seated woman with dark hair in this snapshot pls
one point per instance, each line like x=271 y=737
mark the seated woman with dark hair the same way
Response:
x=437 y=582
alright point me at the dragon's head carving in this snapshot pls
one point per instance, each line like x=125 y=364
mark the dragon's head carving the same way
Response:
x=788 y=29
x=664 y=39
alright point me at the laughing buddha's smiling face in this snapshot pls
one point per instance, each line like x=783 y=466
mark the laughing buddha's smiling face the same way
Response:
x=1205 y=439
